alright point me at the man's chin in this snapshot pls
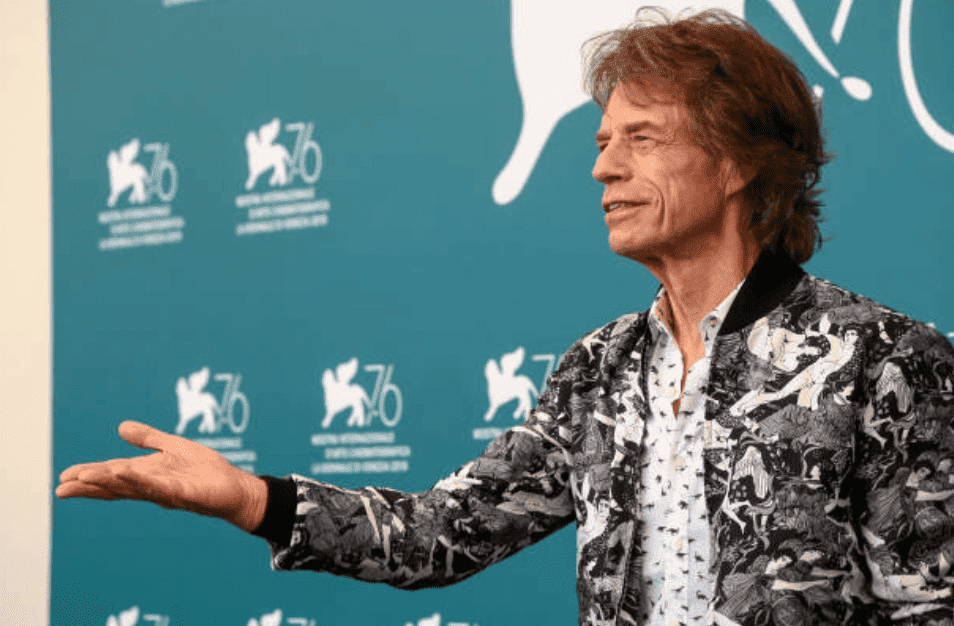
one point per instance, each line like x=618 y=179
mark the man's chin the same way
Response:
x=626 y=248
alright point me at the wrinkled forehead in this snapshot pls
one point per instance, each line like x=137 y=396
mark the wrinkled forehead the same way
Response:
x=656 y=102
x=647 y=91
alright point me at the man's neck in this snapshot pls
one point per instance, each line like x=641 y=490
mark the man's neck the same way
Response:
x=695 y=286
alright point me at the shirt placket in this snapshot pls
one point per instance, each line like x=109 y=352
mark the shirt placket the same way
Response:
x=675 y=585
x=674 y=601
x=685 y=594
x=693 y=550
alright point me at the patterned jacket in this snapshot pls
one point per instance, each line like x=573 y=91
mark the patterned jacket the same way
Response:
x=829 y=471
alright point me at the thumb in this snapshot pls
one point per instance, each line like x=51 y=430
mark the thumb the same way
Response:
x=142 y=435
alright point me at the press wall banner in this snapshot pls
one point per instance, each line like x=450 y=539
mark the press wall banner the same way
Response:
x=350 y=240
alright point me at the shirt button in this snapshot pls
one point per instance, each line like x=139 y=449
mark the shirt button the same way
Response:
x=678 y=544
x=671 y=393
x=678 y=462
x=675 y=623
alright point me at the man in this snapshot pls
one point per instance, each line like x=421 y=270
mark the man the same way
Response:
x=740 y=453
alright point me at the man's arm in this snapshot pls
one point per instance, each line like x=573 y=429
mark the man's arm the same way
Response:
x=910 y=550
x=515 y=494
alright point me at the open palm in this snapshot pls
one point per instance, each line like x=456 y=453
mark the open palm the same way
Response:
x=181 y=474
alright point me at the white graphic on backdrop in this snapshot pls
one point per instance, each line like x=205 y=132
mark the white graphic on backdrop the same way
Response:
x=233 y=411
x=264 y=154
x=125 y=173
x=275 y=619
x=175 y=3
x=341 y=393
x=285 y=207
x=140 y=225
x=193 y=402
x=435 y=620
x=130 y=617
x=546 y=54
x=505 y=385
x=269 y=619
x=940 y=136
x=358 y=451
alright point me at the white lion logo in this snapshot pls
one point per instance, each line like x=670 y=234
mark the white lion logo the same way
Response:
x=269 y=619
x=124 y=173
x=193 y=402
x=503 y=385
x=264 y=155
x=341 y=394
x=433 y=620
x=129 y=617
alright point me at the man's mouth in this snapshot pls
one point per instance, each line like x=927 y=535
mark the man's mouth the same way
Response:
x=611 y=206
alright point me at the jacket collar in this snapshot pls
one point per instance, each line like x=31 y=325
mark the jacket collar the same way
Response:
x=772 y=278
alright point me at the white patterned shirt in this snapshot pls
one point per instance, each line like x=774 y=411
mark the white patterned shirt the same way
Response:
x=674 y=573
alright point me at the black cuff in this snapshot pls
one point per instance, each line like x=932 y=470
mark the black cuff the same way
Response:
x=279 y=517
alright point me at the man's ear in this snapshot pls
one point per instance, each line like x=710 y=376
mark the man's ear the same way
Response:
x=735 y=178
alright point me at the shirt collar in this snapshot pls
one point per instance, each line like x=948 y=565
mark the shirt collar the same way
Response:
x=660 y=322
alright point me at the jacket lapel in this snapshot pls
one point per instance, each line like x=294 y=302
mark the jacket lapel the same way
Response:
x=772 y=278
x=626 y=381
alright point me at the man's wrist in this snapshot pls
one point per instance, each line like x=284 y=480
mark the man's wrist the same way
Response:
x=252 y=513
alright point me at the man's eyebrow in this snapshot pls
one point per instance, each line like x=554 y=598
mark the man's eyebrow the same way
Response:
x=605 y=135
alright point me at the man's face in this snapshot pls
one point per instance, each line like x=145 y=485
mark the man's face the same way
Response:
x=647 y=157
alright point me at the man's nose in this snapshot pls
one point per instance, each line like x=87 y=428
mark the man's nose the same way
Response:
x=610 y=166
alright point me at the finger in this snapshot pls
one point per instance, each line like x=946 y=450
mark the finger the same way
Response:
x=71 y=473
x=79 y=489
x=114 y=485
x=146 y=436
x=136 y=433
x=103 y=478
x=143 y=435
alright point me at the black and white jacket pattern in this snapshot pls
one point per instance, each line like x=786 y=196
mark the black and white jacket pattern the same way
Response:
x=829 y=471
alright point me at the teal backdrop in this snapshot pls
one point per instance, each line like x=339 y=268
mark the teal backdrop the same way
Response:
x=305 y=233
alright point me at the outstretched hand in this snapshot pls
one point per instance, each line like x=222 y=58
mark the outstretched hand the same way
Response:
x=181 y=474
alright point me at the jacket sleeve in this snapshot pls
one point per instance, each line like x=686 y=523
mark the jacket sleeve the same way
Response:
x=905 y=477
x=515 y=494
